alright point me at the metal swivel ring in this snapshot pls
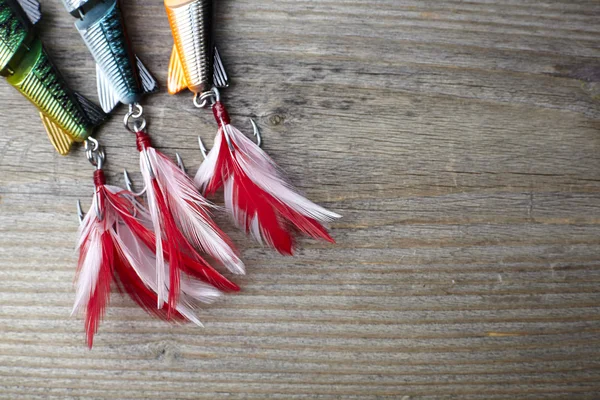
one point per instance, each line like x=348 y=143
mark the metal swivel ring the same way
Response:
x=94 y=153
x=134 y=121
x=201 y=100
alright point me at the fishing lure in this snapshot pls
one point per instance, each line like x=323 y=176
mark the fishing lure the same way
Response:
x=67 y=116
x=120 y=75
x=181 y=226
x=261 y=201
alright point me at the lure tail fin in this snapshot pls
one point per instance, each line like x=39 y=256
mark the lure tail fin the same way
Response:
x=177 y=81
x=220 y=78
x=94 y=113
x=60 y=139
x=149 y=83
x=32 y=9
x=108 y=96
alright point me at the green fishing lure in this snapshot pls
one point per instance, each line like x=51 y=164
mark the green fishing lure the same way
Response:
x=67 y=116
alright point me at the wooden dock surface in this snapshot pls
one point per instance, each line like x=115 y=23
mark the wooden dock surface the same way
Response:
x=459 y=139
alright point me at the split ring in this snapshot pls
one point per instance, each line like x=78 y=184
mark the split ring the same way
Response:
x=135 y=116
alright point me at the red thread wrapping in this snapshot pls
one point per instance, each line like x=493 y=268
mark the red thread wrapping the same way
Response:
x=99 y=178
x=142 y=140
x=220 y=113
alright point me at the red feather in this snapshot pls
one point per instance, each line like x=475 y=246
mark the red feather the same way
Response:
x=96 y=306
x=257 y=195
x=107 y=254
x=129 y=282
x=181 y=226
x=191 y=263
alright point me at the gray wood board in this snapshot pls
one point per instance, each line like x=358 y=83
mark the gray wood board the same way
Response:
x=459 y=139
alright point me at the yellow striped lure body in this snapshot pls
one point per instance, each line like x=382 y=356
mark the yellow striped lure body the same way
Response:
x=67 y=116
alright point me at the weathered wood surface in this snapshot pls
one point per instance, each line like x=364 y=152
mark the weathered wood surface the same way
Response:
x=459 y=139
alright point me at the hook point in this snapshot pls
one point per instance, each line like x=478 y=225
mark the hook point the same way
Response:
x=180 y=163
x=256 y=133
x=80 y=213
x=202 y=147
x=128 y=183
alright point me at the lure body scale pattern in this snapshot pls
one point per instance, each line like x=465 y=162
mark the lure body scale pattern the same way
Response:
x=67 y=116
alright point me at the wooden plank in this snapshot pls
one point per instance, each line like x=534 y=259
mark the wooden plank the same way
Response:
x=459 y=139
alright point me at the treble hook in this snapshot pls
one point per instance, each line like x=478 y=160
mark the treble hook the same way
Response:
x=81 y=214
x=129 y=184
x=129 y=187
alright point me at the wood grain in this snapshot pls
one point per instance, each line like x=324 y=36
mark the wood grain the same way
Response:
x=459 y=139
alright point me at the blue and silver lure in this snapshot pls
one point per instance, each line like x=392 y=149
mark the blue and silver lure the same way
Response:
x=120 y=75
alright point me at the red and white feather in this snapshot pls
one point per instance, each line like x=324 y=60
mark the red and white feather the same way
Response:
x=115 y=244
x=98 y=253
x=143 y=261
x=260 y=199
x=139 y=222
x=95 y=267
x=178 y=212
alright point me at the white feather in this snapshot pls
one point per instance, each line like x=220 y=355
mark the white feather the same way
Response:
x=228 y=197
x=141 y=259
x=147 y=173
x=200 y=291
x=195 y=225
x=90 y=233
x=238 y=215
x=88 y=275
x=255 y=230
